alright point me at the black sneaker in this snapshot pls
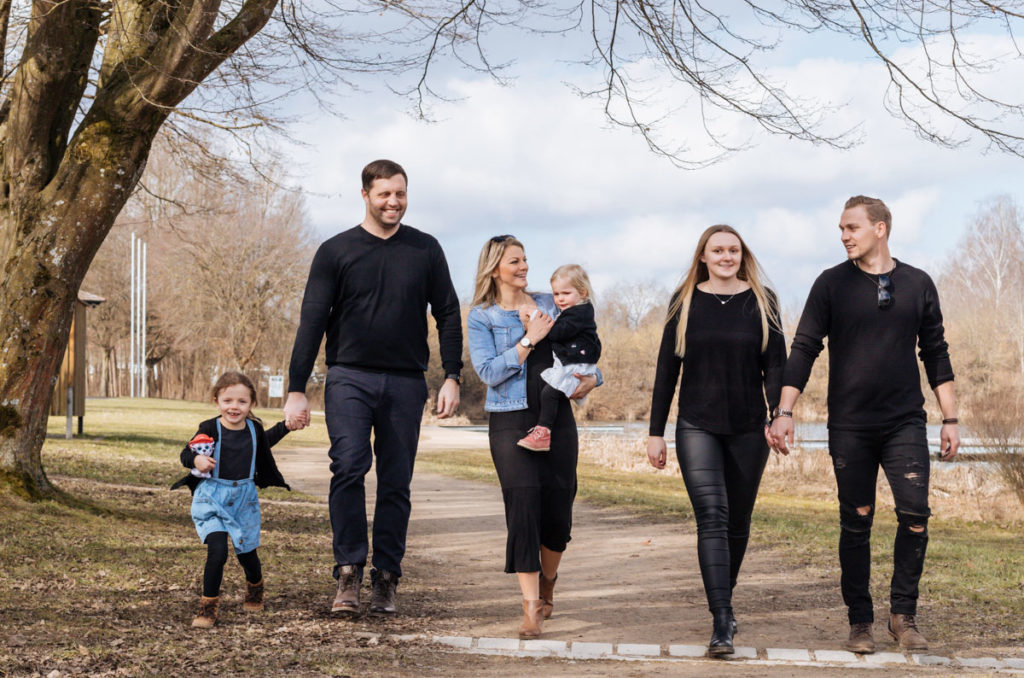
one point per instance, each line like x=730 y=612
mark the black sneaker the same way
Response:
x=382 y=601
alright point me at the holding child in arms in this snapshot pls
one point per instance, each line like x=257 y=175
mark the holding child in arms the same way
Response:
x=224 y=499
x=575 y=344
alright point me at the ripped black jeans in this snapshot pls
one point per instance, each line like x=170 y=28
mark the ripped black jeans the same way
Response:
x=902 y=452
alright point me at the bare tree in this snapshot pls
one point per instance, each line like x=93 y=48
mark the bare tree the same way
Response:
x=634 y=303
x=88 y=84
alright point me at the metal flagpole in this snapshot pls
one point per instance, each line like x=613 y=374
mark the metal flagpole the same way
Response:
x=131 y=342
x=142 y=324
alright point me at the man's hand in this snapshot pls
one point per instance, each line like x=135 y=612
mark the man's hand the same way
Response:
x=657 y=450
x=447 y=399
x=296 y=411
x=782 y=434
x=588 y=382
x=949 y=441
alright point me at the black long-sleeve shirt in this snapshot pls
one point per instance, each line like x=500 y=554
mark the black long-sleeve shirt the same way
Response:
x=726 y=376
x=574 y=335
x=370 y=296
x=236 y=466
x=873 y=378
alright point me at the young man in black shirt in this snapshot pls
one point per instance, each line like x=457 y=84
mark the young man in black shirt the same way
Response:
x=874 y=309
x=368 y=290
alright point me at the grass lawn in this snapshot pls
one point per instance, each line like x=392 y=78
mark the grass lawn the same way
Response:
x=104 y=581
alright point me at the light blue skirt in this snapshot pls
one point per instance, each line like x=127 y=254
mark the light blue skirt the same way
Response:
x=230 y=506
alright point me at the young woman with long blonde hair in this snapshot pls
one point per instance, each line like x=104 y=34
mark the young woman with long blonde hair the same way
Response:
x=723 y=332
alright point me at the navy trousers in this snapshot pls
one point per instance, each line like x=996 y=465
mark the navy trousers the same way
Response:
x=359 y=402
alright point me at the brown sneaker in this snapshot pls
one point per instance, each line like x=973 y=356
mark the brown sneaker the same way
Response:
x=346 y=601
x=538 y=439
x=207 y=615
x=253 y=597
x=533 y=619
x=382 y=601
x=903 y=629
x=547 y=594
x=861 y=641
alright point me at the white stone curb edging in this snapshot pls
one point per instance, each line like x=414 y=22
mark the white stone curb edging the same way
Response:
x=513 y=647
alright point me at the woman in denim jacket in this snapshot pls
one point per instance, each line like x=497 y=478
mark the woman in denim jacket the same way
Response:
x=509 y=350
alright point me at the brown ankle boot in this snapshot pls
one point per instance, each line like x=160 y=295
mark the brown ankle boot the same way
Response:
x=861 y=640
x=903 y=629
x=547 y=594
x=253 y=597
x=533 y=619
x=207 y=615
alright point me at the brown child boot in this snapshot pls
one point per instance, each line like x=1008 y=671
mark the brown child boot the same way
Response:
x=533 y=619
x=207 y=615
x=253 y=597
x=547 y=594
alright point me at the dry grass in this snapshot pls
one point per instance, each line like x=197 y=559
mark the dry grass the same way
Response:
x=974 y=492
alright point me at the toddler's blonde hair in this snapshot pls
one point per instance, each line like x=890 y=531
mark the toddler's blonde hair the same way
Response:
x=578 y=278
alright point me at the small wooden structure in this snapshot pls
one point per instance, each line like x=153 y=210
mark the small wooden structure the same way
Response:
x=73 y=368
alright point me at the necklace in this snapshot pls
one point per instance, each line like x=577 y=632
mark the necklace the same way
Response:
x=723 y=302
x=875 y=281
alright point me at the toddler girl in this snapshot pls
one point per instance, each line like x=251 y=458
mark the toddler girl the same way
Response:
x=224 y=500
x=576 y=347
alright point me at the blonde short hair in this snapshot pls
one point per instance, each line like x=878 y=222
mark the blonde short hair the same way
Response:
x=577 y=277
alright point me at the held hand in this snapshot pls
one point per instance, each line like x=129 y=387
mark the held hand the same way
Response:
x=203 y=463
x=949 y=441
x=782 y=434
x=657 y=450
x=296 y=411
x=588 y=382
x=447 y=399
x=539 y=327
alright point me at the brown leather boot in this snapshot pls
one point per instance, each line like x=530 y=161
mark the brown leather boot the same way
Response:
x=207 y=615
x=533 y=619
x=346 y=600
x=903 y=629
x=861 y=641
x=253 y=597
x=547 y=594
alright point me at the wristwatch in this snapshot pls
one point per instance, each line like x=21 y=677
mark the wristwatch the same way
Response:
x=779 y=412
x=454 y=376
x=526 y=343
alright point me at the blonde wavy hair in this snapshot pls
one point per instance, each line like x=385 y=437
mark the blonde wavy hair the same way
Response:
x=485 y=291
x=750 y=271
x=578 y=278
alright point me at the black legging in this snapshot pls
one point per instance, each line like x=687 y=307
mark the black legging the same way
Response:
x=722 y=474
x=217 y=557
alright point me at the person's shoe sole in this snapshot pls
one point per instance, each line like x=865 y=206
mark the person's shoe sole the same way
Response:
x=720 y=650
x=378 y=612
x=860 y=649
x=344 y=610
x=534 y=449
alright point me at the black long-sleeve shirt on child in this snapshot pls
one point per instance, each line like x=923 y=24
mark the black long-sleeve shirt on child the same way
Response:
x=726 y=375
x=873 y=378
x=574 y=336
x=370 y=296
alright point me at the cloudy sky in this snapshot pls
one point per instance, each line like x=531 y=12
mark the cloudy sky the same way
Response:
x=534 y=159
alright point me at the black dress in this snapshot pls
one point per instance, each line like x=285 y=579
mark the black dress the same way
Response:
x=538 y=487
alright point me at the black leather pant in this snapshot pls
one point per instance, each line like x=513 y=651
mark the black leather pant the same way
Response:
x=722 y=474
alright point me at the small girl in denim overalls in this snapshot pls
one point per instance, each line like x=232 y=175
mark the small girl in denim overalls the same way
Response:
x=224 y=499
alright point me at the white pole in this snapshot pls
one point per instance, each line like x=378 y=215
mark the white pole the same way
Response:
x=142 y=324
x=131 y=341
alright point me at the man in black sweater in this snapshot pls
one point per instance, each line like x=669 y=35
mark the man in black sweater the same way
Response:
x=874 y=309
x=368 y=290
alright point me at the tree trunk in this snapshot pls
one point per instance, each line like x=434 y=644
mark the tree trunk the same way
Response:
x=48 y=241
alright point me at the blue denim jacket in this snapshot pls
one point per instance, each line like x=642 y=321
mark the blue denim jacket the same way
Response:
x=493 y=334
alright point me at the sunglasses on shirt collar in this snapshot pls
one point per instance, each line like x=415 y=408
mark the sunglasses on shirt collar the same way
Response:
x=884 y=296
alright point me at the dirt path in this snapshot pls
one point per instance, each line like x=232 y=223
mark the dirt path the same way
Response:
x=623 y=579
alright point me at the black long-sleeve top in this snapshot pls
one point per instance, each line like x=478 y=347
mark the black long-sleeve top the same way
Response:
x=726 y=376
x=236 y=466
x=370 y=296
x=574 y=335
x=873 y=378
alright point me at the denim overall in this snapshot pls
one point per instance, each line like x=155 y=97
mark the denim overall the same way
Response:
x=230 y=506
